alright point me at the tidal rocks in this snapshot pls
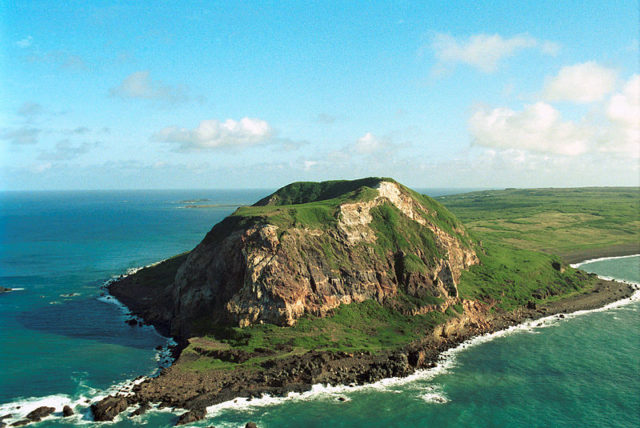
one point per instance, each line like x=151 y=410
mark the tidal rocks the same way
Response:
x=67 y=411
x=140 y=410
x=40 y=412
x=191 y=416
x=109 y=407
x=132 y=322
x=251 y=425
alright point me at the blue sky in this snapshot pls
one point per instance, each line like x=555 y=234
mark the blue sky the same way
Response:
x=112 y=95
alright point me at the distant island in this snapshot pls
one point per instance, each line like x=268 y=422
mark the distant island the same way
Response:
x=194 y=201
x=350 y=282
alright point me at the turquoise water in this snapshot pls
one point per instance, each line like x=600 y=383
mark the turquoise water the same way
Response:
x=579 y=371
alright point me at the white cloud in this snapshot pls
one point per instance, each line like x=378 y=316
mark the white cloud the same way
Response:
x=308 y=164
x=550 y=48
x=64 y=150
x=214 y=134
x=139 y=85
x=623 y=110
x=25 y=43
x=484 y=51
x=23 y=135
x=581 y=83
x=613 y=128
x=538 y=128
x=369 y=143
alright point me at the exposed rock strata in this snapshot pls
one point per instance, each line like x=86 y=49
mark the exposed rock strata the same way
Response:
x=196 y=391
x=244 y=273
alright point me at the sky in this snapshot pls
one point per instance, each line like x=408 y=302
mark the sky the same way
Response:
x=185 y=94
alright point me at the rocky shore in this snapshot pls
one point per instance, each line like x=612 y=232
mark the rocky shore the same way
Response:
x=178 y=388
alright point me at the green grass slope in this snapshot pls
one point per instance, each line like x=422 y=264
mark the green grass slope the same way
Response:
x=572 y=223
x=518 y=235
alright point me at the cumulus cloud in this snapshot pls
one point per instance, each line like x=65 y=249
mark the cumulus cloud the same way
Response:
x=139 y=85
x=581 y=83
x=64 y=150
x=612 y=128
x=538 y=127
x=369 y=143
x=25 y=43
x=484 y=51
x=308 y=164
x=211 y=134
x=20 y=136
x=623 y=110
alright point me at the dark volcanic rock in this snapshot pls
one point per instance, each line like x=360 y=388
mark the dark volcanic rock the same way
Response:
x=251 y=425
x=21 y=422
x=108 y=408
x=40 y=412
x=140 y=410
x=191 y=416
x=132 y=322
x=67 y=411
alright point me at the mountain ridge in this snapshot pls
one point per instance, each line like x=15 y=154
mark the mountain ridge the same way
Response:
x=307 y=249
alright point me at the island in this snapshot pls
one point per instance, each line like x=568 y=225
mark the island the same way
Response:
x=349 y=282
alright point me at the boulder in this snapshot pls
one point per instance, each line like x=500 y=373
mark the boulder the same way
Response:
x=67 y=411
x=140 y=410
x=40 y=412
x=108 y=408
x=191 y=416
x=251 y=425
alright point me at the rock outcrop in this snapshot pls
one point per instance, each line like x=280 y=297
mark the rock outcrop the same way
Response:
x=307 y=249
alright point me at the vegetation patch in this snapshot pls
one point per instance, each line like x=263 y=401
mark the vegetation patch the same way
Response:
x=556 y=221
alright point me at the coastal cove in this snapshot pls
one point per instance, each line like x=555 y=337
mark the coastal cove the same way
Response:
x=315 y=406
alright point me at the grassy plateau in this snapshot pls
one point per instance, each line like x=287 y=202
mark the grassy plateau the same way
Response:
x=523 y=239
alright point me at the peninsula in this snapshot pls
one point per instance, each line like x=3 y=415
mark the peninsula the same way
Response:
x=336 y=282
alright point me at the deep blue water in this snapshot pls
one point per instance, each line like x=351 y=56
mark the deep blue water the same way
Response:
x=580 y=371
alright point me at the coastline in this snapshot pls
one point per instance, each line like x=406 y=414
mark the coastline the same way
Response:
x=599 y=259
x=200 y=393
x=585 y=256
x=161 y=391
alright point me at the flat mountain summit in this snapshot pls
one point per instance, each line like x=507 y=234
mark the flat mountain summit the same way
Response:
x=307 y=249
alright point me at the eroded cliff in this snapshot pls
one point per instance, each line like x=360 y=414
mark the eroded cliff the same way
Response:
x=307 y=249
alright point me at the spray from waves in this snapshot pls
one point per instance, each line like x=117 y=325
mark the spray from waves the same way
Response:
x=85 y=395
x=431 y=393
x=79 y=402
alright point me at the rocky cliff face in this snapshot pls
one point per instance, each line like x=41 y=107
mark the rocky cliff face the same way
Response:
x=278 y=260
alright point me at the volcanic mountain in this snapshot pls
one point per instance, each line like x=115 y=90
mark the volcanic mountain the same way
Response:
x=307 y=249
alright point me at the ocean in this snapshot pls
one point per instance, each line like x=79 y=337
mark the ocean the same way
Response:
x=63 y=342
